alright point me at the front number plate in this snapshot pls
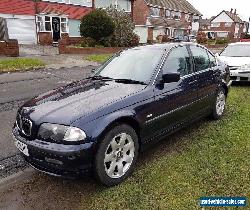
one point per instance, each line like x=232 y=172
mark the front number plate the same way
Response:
x=22 y=147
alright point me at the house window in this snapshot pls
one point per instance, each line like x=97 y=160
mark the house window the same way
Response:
x=44 y=23
x=176 y=15
x=167 y=14
x=155 y=11
x=47 y=23
x=228 y=24
x=40 y=24
x=222 y=34
x=64 y=1
x=215 y=25
x=196 y=18
x=64 y=24
x=187 y=17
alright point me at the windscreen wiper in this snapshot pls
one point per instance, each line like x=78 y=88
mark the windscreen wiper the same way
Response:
x=99 y=77
x=130 y=81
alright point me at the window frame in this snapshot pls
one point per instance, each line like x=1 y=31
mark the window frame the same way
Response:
x=211 y=55
x=192 y=56
x=175 y=14
x=43 y=22
x=228 y=24
x=215 y=25
x=152 y=11
x=189 y=72
x=170 y=14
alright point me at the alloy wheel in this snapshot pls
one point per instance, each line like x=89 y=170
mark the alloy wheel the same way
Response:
x=220 y=103
x=119 y=155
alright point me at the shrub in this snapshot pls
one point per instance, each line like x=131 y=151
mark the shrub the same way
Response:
x=165 y=38
x=97 y=25
x=211 y=42
x=246 y=36
x=201 y=38
x=105 y=42
x=88 y=42
x=123 y=35
x=222 y=41
x=159 y=39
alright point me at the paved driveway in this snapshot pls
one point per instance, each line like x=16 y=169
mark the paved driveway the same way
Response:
x=51 y=57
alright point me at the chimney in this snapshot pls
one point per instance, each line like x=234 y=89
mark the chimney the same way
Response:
x=231 y=11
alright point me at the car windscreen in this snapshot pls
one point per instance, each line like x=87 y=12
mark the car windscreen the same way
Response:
x=133 y=64
x=240 y=50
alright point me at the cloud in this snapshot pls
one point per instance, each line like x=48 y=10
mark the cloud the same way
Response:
x=214 y=7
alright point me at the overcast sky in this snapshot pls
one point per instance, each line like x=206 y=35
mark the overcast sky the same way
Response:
x=213 y=7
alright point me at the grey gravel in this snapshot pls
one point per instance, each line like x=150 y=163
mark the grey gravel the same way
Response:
x=12 y=165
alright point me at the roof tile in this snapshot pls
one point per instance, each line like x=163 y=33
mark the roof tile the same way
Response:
x=73 y=12
x=177 y=5
x=17 y=7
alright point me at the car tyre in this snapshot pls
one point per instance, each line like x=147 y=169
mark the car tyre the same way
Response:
x=219 y=104
x=116 y=155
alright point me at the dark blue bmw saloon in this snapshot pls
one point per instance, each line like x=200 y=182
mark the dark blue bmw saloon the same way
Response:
x=101 y=123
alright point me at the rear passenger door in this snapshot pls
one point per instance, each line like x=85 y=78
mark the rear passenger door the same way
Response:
x=204 y=62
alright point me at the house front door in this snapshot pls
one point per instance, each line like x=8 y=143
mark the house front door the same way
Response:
x=56 y=29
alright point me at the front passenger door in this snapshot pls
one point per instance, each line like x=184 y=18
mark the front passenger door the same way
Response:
x=174 y=102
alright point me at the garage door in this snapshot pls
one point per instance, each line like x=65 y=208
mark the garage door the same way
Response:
x=24 y=30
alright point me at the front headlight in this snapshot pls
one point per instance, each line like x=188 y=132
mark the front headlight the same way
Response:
x=58 y=133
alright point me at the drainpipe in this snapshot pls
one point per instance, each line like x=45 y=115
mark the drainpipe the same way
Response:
x=36 y=11
x=132 y=9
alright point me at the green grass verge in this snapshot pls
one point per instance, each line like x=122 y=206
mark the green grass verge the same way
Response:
x=17 y=64
x=98 y=58
x=209 y=158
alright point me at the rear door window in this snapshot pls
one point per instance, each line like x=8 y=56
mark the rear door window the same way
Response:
x=212 y=60
x=201 y=59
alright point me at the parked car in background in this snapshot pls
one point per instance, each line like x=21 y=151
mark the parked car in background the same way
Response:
x=192 y=38
x=137 y=97
x=237 y=57
x=185 y=38
x=181 y=38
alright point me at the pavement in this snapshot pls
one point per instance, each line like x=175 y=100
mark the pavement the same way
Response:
x=51 y=57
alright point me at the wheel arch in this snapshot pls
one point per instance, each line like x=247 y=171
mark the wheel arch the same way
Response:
x=125 y=119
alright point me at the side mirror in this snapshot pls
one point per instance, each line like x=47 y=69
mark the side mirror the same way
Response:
x=171 y=77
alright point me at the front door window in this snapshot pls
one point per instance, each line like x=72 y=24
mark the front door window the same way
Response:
x=56 y=29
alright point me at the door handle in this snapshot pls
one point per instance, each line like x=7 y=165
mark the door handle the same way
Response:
x=192 y=82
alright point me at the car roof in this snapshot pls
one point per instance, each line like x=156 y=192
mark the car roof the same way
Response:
x=165 y=46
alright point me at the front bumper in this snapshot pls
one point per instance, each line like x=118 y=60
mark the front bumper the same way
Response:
x=58 y=159
x=239 y=75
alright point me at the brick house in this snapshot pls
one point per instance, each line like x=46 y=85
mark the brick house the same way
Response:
x=160 y=17
x=44 y=21
x=47 y=21
x=227 y=24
